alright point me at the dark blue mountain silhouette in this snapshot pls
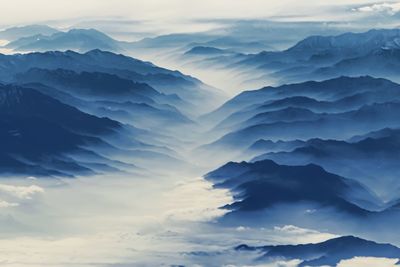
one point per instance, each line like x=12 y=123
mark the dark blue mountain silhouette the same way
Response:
x=108 y=95
x=371 y=161
x=328 y=253
x=328 y=90
x=33 y=141
x=386 y=62
x=289 y=114
x=94 y=60
x=185 y=92
x=263 y=184
x=339 y=108
x=330 y=126
x=92 y=84
x=143 y=115
x=244 y=116
x=17 y=101
x=39 y=133
x=385 y=132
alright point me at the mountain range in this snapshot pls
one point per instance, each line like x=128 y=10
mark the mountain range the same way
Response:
x=313 y=58
x=364 y=160
x=320 y=142
x=264 y=184
x=187 y=93
x=78 y=95
x=327 y=253
x=289 y=115
x=15 y=33
x=41 y=134
x=81 y=40
x=318 y=153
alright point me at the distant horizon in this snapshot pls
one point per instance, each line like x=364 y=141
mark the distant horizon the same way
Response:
x=157 y=17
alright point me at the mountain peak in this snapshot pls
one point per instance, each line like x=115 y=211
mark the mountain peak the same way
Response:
x=359 y=42
x=17 y=32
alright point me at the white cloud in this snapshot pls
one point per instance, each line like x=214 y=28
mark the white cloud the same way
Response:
x=291 y=263
x=291 y=229
x=21 y=192
x=387 y=8
x=171 y=15
x=302 y=235
x=5 y=204
x=368 y=262
x=195 y=200
x=242 y=228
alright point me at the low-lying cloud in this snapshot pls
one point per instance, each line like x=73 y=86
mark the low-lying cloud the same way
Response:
x=21 y=192
x=5 y=204
x=386 y=8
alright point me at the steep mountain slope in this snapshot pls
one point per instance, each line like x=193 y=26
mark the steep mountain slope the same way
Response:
x=328 y=90
x=42 y=133
x=189 y=94
x=92 y=85
x=108 y=95
x=42 y=136
x=248 y=114
x=371 y=161
x=19 y=101
x=338 y=126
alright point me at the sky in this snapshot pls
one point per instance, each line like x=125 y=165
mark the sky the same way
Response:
x=174 y=15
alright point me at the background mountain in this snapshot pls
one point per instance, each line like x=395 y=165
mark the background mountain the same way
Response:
x=339 y=108
x=81 y=40
x=14 y=33
x=322 y=57
x=206 y=51
x=313 y=58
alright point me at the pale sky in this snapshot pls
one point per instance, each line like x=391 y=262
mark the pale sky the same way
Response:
x=171 y=14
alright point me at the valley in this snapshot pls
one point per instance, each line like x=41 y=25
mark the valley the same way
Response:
x=197 y=150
